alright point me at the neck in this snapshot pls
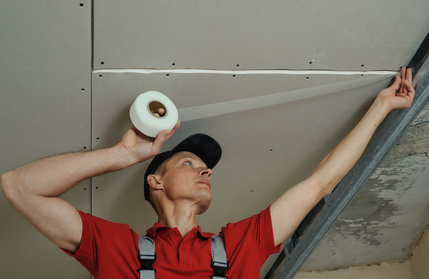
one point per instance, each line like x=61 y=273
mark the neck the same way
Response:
x=182 y=217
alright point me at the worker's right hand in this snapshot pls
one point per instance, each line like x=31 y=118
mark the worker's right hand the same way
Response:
x=138 y=147
x=400 y=94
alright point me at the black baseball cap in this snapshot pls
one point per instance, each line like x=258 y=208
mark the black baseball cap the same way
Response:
x=202 y=145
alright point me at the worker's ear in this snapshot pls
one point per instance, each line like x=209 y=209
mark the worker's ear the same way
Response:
x=154 y=181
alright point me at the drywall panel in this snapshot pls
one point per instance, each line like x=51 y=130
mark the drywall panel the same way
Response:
x=258 y=34
x=44 y=109
x=266 y=150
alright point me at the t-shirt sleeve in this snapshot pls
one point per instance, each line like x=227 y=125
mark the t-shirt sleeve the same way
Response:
x=97 y=235
x=252 y=237
x=86 y=254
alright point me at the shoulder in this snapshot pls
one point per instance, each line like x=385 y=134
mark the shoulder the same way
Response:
x=258 y=221
x=97 y=230
x=100 y=222
x=110 y=243
x=249 y=242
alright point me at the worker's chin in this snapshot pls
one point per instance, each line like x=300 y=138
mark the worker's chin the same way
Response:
x=203 y=206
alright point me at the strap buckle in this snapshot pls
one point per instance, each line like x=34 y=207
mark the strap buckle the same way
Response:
x=219 y=269
x=146 y=261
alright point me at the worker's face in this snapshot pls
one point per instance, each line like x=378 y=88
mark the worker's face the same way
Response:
x=188 y=178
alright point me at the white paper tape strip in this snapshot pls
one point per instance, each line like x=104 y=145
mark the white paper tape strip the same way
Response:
x=210 y=110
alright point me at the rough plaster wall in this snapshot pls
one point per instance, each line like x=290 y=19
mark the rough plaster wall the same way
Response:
x=416 y=268
x=383 y=271
x=419 y=263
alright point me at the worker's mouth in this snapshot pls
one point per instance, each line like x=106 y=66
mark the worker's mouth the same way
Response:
x=204 y=181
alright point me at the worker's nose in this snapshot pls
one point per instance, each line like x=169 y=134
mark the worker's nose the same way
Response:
x=205 y=172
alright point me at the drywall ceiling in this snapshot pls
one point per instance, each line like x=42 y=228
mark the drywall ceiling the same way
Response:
x=67 y=86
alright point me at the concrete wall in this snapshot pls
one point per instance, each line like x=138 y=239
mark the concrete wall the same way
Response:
x=416 y=268
x=419 y=263
x=383 y=271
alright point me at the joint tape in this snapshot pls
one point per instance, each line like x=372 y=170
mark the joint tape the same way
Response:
x=143 y=117
x=211 y=110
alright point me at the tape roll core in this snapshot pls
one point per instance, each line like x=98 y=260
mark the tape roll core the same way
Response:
x=144 y=113
x=153 y=108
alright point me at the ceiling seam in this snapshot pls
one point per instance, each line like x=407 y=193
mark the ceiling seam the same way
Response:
x=245 y=72
x=90 y=105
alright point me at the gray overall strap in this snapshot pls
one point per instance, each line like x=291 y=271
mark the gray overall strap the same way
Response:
x=147 y=257
x=219 y=261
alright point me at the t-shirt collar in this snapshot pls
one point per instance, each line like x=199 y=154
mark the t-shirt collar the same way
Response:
x=152 y=232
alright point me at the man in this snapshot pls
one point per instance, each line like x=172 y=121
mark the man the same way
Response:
x=178 y=187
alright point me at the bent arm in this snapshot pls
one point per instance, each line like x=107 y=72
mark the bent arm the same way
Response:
x=291 y=208
x=34 y=189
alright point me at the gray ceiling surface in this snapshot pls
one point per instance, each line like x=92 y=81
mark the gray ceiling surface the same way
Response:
x=71 y=69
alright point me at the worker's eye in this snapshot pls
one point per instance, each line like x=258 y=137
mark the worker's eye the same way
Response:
x=189 y=163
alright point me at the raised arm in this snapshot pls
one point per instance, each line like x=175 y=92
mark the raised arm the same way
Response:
x=290 y=209
x=34 y=189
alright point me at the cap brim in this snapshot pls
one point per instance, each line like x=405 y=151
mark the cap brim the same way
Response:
x=202 y=145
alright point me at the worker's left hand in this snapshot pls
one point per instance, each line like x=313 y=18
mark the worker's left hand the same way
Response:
x=139 y=147
x=401 y=93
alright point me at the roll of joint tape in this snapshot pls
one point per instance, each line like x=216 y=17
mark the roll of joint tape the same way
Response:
x=143 y=113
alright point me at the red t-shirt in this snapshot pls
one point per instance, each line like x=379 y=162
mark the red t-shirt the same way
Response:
x=109 y=250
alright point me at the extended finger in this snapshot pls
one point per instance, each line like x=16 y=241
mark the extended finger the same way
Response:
x=396 y=85
x=403 y=73
x=410 y=89
x=409 y=75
